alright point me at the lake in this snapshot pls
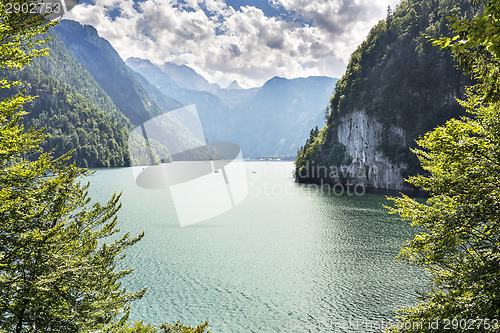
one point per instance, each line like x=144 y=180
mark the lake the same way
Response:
x=289 y=258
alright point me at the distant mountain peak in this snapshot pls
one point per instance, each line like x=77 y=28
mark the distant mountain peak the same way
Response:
x=170 y=66
x=186 y=77
x=234 y=85
x=139 y=61
x=77 y=25
x=275 y=81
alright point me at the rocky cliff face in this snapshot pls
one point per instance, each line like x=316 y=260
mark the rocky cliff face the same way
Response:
x=361 y=135
x=396 y=88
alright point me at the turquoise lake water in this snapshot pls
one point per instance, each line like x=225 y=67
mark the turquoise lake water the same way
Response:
x=289 y=258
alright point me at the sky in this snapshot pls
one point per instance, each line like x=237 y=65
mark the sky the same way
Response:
x=243 y=40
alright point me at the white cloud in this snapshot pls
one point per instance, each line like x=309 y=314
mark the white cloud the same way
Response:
x=224 y=44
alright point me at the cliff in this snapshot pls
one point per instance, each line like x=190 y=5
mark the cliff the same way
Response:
x=397 y=87
x=361 y=135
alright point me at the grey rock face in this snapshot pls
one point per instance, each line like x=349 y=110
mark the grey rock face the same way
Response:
x=361 y=135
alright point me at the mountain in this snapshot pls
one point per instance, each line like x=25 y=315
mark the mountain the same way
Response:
x=211 y=109
x=272 y=120
x=282 y=112
x=397 y=87
x=76 y=112
x=90 y=102
x=110 y=72
x=135 y=98
x=156 y=95
x=234 y=85
x=186 y=77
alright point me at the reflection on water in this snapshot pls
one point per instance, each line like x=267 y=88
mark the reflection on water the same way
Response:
x=287 y=259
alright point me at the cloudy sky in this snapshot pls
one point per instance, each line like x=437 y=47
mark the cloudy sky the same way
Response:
x=243 y=40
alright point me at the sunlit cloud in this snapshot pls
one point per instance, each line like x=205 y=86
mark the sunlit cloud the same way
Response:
x=224 y=43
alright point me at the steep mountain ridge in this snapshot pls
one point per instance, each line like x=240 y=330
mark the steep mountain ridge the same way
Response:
x=133 y=96
x=98 y=56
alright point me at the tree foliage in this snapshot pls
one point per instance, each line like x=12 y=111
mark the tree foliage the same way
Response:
x=178 y=327
x=460 y=244
x=58 y=253
x=476 y=46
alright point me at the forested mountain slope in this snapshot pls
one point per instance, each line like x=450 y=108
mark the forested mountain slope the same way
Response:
x=89 y=100
x=107 y=68
x=397 y=87
x=75 y=110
